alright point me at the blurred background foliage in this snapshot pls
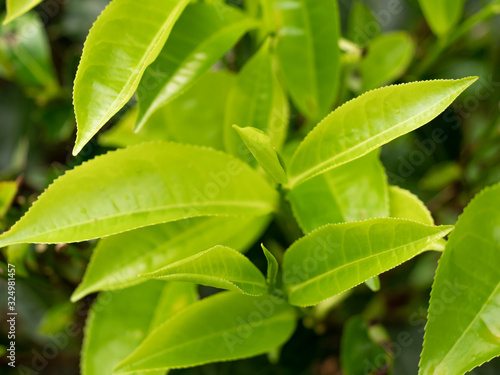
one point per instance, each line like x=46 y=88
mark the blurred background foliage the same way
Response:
x=445 y=163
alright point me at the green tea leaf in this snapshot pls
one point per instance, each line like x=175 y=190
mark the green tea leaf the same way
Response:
x=25 y=54
x=388 y=57
x=362 y=26
x=370 y=121
x=118 y=322
x=259 y=144
x=373 y=284
x=442 y=15
x=8 y=191
x=405 y=205
x=142 y=185
x=463 y=325
x=356 y=343
x=193 y=118
x=202 y=35
x=272 y=267
x=354 y=191
x=218 y=267
x=308 y=53
x=151 y=248
x=337 y=257
x=256 y=100
x=226 y=326
x=125 y=39
x=16 y=8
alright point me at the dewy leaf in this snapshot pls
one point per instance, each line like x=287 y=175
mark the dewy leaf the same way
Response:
x=226 y=326
x=256 y=100
x=8 y=191
x=388 y=57
x=218 y=267
x=370 y=121
x=16 y=8
x=354 y=191
x=272 y=267
x=202 y=35
x=405 y=205
x=118 y=259
x=338 y=257
x=124 y=40
x=308 y=53
x=442 y=15
x=142 y=185
x=118 y=322
x=463 y=327
x=259 y=144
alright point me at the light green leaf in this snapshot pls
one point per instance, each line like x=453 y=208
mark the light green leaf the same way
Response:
x=193 y=118
x=148 y=249
x=124 y=40
x=256 y=100
x=362 y=25
x=388 y=57
x=308 y=53
x=259 y=144
x=25 y=53
x=16 y=8
x=218 y=328
x=463 y=325
x=352 y=192
x=405 y=205
x=373 y=284
x=356 y=344
x=8 y=191
x=218 y=267
x=142 y=185
x=442 y=15
x=118 y=322
x=202 y=35
x=272 y=267
x=370 y=121
x=338 y=257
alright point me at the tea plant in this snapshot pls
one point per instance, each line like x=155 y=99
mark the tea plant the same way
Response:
x=177 y=206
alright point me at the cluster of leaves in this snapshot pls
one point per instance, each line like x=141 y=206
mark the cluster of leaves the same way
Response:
x=207 y=162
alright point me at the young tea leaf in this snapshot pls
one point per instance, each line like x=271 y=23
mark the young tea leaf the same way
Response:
x=354 y=191
x=388 y=57
x=202 y=35
x=256 y=100
x=8 y=191
x=442 y=15
x=405 y=205
x=219 y=267
x=118 y=322
x=125 y=39
x=118 y=260
x=218 y=328
x=463 y=325
x=370 y=121
x=308 y=53
x=142 y=185
x=272 y=267
x=16 y=8
x=259 y=144
x=337 y=257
